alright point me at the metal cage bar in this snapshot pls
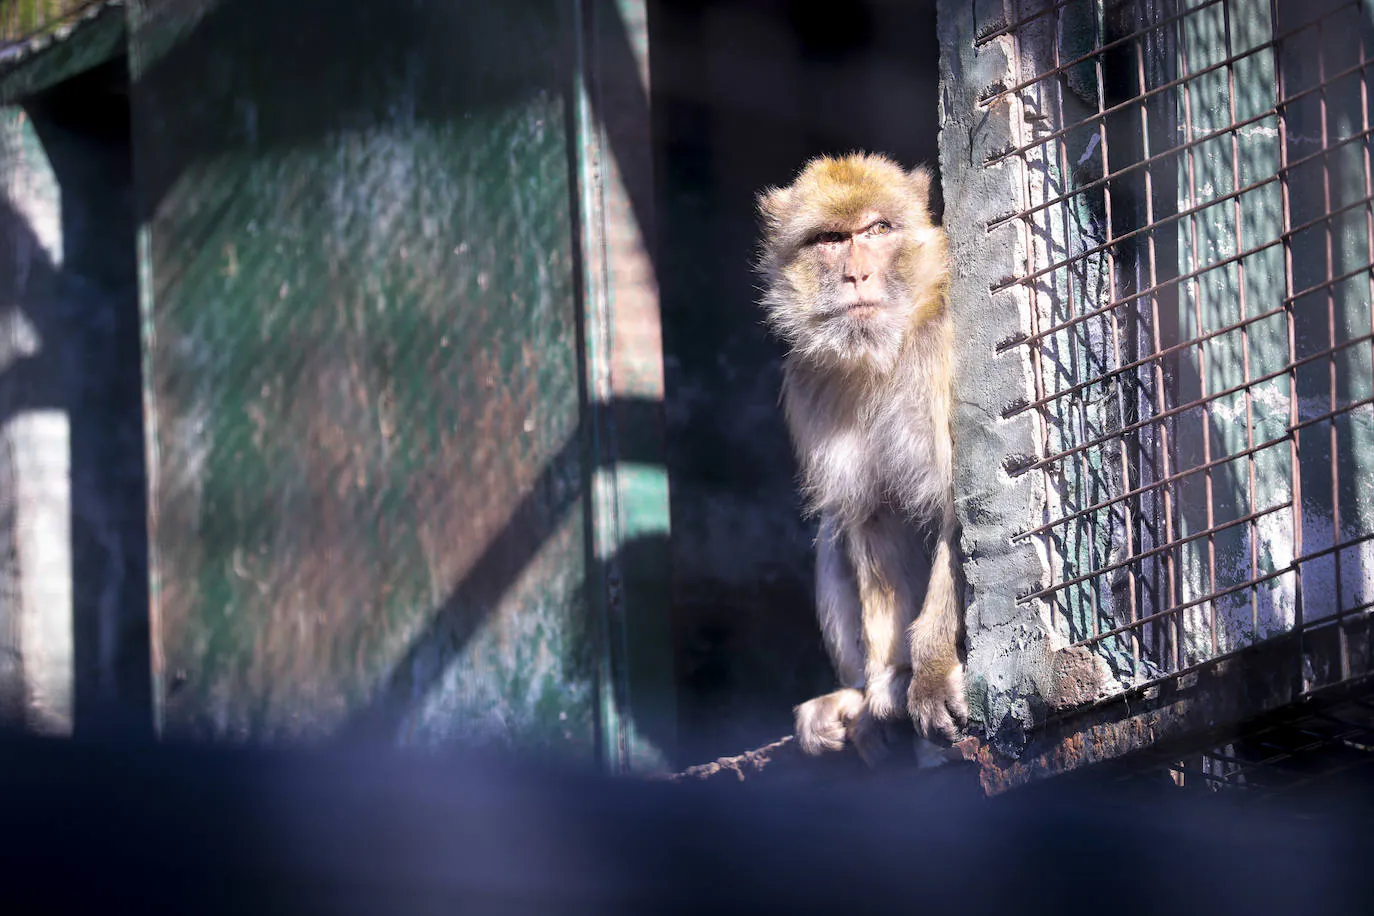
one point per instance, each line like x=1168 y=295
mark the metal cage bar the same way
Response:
x=1196 y=228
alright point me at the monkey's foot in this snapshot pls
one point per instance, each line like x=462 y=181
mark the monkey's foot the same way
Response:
x=823 y=724
x=937 y=703
x=828 y=722
x=887 y=692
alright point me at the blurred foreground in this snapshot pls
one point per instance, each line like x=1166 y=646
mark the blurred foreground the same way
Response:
x=197 y=830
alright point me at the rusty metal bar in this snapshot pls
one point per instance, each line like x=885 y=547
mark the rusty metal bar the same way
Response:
x=1199 y=140
x=1288 y=369
x=1144 y=722
x=1147 y=94
x=1012 y=27
x=1160 y=550
x=1173 y=281
x=1208 y=665
x=1294 y=443
x=1129 y=512
x=1146 y=360
x=1029 y=243
x=1265 y=764
x=1173 y=338
x=1332 y=414
x=1146 y=488
x=1293 y=567
x=1252 y=485
x=1343 y=653
x=1151 y=225
x=1061 y=161
x=1238 y=325
x=1164 y=431
x=1333 y=281
x=1097 y=51
x=1246 y=453
x=1199 y=337
x=1369 y=226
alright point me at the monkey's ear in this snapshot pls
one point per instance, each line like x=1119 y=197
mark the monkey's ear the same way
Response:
x=772 y=202
x=920 y=178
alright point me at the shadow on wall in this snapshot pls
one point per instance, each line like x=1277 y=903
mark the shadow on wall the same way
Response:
x=453 y=624
x=81 y=360
x=742 y=94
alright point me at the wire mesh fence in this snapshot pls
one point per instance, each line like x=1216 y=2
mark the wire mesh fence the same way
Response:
x=1195 y=236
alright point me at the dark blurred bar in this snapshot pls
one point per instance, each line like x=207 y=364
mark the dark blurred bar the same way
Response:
x=171 y=829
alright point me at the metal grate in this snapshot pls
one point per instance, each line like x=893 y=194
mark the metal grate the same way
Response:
x=1315 y=747
x=1289 y=757
x=1195 y=243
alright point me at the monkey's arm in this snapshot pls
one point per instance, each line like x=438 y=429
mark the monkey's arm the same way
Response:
x=881 y=550
x=936 y=698
x=837 y=605
x=827 y=722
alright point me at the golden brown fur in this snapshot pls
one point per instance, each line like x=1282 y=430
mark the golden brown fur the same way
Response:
x=855 y=272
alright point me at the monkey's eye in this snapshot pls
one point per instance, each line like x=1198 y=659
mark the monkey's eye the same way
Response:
x=882 y=227
x=829 y=238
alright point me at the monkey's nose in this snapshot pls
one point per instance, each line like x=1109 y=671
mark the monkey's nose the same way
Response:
x=864 y=282
x=858 y=269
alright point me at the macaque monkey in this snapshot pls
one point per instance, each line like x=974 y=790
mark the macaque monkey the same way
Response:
x=855 y=272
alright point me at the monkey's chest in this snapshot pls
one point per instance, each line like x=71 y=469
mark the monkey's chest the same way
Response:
x=855 y=469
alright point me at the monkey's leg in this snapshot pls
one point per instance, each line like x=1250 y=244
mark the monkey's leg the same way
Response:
x=936 y=697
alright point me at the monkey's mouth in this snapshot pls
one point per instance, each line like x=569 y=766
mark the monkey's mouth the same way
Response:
x=862 y=310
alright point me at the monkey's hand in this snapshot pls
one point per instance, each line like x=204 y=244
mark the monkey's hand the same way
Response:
x=936 y=700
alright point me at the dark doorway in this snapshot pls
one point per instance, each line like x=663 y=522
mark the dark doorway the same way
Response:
x=743 y=93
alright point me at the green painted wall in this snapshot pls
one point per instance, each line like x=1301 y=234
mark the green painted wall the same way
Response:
x=367 y=325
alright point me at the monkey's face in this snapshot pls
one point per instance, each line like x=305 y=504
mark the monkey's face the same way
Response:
x=861 y=301
x=851 y=259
